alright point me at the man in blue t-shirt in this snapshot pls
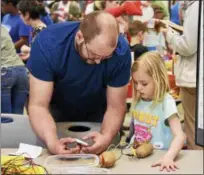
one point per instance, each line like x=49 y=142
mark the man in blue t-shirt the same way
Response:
x=18 y=30
x=79 y=72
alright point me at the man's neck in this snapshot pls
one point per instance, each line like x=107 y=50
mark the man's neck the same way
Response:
x=37 y=23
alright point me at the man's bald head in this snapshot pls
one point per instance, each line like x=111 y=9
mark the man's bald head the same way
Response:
x=100 y=24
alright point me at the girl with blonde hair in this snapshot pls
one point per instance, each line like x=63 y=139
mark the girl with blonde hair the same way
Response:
x=154 y=113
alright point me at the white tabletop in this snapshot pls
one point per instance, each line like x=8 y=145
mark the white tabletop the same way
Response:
x=189 y=162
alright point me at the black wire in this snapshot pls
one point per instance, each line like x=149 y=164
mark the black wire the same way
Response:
x=122 y=153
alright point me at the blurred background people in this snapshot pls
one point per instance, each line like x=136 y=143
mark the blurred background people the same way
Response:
x=19 y=32
x=30 y=12
x=14 y=77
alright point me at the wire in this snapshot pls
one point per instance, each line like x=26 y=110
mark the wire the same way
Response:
x=19 y=165
x=122 y=148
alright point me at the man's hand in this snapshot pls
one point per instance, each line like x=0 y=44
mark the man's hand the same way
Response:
x=59 y=147
x=25 y=49
x=101 y=143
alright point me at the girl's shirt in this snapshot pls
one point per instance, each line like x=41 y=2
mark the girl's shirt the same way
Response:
x=153 y=40
x=151 y=123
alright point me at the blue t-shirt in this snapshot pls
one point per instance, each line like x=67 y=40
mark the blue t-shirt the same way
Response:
x=16 y=27
x=151 y=123
x=175 y=13
x=46 y=19
x=79 y=88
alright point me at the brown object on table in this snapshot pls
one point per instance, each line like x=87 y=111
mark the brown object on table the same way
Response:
x=144 y=150
x=107 y=159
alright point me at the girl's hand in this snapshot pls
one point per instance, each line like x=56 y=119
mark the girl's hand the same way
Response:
x=167 y=163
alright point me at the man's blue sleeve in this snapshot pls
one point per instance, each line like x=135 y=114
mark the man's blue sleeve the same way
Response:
x=46 y=19
x=39 y=63
x=121 y=75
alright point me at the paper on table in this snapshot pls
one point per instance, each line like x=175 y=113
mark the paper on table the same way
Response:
x=29 y=151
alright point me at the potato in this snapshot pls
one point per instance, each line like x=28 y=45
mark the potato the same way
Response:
x=107 y=159
x=144 y=150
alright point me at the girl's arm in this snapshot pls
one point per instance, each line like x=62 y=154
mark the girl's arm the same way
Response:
x=179 y=137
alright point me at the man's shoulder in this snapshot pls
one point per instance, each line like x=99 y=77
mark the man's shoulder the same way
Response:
x=122 y=53
x=57 y=35
x=64 y=26
x=60 y=30
x=122 y=46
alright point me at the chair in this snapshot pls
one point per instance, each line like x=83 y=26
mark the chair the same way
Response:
x=16 y=129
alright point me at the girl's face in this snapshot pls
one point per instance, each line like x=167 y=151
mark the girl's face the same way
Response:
x=144 y=84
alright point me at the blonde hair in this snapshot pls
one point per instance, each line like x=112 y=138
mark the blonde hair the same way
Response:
x=156 y=69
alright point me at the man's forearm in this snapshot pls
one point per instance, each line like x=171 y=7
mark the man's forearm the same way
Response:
x=43 y=124
x=20 y=43
x=112 y=121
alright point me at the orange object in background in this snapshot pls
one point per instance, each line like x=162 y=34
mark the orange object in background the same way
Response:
x=129 y=95
x=172 y=82
x=174 y=90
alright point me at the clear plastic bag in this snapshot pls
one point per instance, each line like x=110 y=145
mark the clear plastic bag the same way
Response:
x=74 y=164
x=72 y=160
x=78 y=170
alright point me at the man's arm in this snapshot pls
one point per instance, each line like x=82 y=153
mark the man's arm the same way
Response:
x=116 y=107
x=22 y=41
x=39 y=115
x=113 y=118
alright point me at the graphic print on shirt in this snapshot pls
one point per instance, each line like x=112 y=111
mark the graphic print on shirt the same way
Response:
x=143 y=130
x=142 y=134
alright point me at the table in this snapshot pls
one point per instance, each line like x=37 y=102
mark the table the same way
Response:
x=189 y=162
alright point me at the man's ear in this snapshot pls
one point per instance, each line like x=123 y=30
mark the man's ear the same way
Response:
x=79 y=37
